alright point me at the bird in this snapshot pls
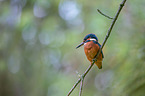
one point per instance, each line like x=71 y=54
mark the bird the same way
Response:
x=91 y=48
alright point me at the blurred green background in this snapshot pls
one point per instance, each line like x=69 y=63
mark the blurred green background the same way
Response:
x=38 y=40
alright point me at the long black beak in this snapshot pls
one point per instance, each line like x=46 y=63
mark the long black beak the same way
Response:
x=80 y=45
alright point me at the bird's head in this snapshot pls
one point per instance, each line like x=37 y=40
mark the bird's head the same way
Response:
x=89 y=37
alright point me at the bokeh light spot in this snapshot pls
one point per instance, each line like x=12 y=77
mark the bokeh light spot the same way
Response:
x=39 y=11
x=45 y=37
x=29 y=33
x=68 y=10
x=13 y=64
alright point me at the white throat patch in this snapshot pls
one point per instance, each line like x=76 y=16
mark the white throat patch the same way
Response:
x=93 y=39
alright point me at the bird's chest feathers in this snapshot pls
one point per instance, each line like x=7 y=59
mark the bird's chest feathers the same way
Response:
x=90 y=49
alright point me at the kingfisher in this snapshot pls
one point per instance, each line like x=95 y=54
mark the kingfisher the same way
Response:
x=91 y=48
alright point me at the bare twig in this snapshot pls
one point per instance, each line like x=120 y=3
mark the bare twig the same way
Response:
x=81 y=87
x=106 y=38
x=104 y=14
x=83 y=76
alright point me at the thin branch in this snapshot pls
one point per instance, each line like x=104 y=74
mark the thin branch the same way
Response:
x=106 y=38
x=112 y=24
x=104 y=14
x=81 y=87
x=83 y=76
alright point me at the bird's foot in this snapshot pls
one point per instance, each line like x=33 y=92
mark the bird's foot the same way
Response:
x=94 y=60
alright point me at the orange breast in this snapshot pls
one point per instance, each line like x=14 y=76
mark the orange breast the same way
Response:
x=91 y=50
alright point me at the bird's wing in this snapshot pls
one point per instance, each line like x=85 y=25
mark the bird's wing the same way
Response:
x=99 y=46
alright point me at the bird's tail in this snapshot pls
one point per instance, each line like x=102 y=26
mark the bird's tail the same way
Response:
x=99 y=64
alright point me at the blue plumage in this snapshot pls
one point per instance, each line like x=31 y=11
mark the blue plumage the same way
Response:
x=100 y=47
x=90 y=36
